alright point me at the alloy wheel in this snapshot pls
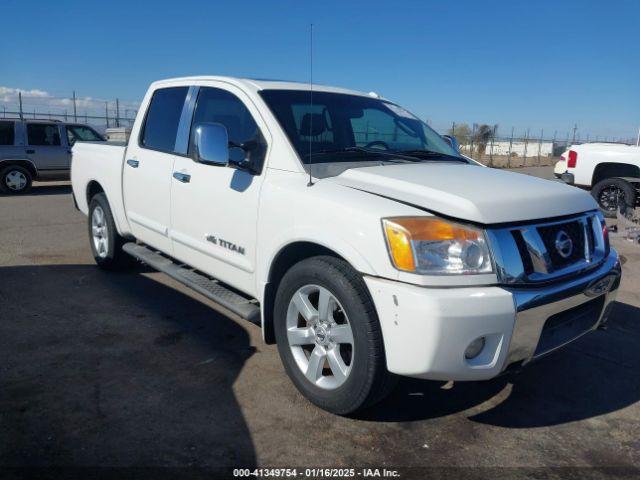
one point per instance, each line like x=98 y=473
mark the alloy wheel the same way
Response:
x=320 y=336
x=99 y=232
x=610 y=198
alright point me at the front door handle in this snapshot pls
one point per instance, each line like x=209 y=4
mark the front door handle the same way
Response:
x=133 y=163
x=31 y=150
x=182 y=177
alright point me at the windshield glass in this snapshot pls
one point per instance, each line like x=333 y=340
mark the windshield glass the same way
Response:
x=346 y=128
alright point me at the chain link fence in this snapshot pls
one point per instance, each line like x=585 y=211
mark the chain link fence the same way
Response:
x=38 y=105
x=480 y=142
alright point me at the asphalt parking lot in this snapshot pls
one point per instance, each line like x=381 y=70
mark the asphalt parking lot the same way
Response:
x=132 y=369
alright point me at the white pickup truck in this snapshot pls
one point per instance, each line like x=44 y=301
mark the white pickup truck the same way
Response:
x=361 y=242
x=610 y=170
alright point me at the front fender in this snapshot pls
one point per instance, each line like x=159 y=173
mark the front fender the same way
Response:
x=339 y=245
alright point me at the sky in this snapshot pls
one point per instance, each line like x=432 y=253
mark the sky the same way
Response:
x=524 y=64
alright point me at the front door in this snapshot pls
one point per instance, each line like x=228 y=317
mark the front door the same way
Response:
x=214 y=209
x=148 y=168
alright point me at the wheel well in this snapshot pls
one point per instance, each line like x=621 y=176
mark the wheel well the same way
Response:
x=93 y=189
x=284 y=260
x=608 y=170
x=23 y=163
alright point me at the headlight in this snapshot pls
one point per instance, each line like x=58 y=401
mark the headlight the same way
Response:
x=432 y=246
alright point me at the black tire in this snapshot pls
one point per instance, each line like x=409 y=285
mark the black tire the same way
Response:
x=368 y=381
x=112 y=257
x=8 y=177
x=606 y=192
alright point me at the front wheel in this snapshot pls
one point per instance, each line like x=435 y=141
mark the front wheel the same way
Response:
x=610 y=192
x=329 y=337
x=106 y=243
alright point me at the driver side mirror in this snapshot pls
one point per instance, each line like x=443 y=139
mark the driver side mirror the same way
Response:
x=452 y=141
x=211 y=144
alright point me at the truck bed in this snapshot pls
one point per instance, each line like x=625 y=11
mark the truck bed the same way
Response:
x=99 y=165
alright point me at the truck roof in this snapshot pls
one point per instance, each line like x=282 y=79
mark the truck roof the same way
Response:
x=262 y=84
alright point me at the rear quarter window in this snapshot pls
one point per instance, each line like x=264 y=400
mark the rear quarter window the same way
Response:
x=163 y=118
x=7 y=133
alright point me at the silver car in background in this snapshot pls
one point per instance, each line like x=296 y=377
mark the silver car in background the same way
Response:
x=37 y=150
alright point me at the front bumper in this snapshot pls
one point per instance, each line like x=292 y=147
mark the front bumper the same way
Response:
x=427 y=330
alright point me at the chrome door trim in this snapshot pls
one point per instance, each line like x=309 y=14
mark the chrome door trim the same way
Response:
x=184 y=126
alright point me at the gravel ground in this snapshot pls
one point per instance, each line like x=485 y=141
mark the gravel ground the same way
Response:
x=133 y=369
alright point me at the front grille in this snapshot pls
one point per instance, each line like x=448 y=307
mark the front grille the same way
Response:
x=533 y=253
x=565 y=326
x=575 y=231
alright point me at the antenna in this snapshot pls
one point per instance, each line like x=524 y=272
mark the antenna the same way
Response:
x=310 y=184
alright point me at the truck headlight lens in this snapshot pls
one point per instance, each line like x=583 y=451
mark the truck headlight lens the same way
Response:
x=432 y=246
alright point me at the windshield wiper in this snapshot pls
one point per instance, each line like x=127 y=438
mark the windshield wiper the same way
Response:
x=426 y=154
x=394 y=156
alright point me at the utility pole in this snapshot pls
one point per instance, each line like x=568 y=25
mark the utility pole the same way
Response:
x=510 y=147
x=493 y=136
x=117 y=113
x=20 y=100
x=75 y=112
x=106 y=112
x=575 y=128
x=540 y=145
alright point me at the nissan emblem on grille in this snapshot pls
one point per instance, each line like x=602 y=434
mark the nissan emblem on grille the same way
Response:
x=564 y=244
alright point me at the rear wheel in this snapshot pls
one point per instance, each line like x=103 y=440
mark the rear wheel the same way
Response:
x=15 y=179
x=106 y=243
x=610 y=192
x=329 y=337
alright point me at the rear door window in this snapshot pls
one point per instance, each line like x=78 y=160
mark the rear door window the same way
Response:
x=163 y=117
x=43 y=134
x=7 y=133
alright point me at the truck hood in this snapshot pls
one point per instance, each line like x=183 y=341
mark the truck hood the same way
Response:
x=469 y=192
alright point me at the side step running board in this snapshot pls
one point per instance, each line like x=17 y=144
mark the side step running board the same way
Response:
x=244 y=307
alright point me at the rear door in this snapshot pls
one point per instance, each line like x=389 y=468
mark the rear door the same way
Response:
x=45 y=146
x=149 y=166
x=11 y=146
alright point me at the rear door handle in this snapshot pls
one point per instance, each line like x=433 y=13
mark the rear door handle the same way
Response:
x=30 y=150
x=182 y=177
x=133 y=163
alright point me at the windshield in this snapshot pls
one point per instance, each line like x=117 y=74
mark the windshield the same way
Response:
x=346 y=128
